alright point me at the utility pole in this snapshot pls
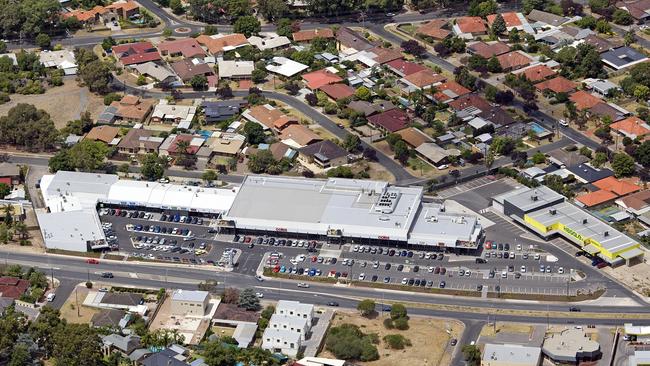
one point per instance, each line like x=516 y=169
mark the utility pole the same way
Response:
x=52 y=269
x=76 y=297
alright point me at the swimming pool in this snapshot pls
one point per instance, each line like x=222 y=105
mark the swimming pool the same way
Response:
x=538 y=129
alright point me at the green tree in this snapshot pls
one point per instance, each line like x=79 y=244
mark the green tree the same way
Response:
x=43 y=41
x=4 y=190
x=622 y=17
x=3 y=47
x=86 y=156
x=259 y=76
x=261 y=162
x=20 y=356
x=472 y=355
x=396 y=341
x=176 y=6
x=272 y=9
x=108 y=43
x=45 y=328
x=142 y=80
x=642 y=154
x=641 y=92
x=96 y=75
x=152 y=167
x=209 y=175
x=499 y=25
x=348 y=342
x=398 y=311
x=401 y=323
x=249 y=300
x=77 y=344
x=539 y=158
x=599 y=159
x=366 y=307
x=199 y=82
x=254 y=133
x=248 y=25
x=351 y=143
x=363 y=93
x=623 y=165
x=285 y=27
x=218 y=354
x=28 y=127
x=401 y=151
x=493 y=65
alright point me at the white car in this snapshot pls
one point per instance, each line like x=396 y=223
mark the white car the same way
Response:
x=518 y=246
x=303 y=285
x=259 y=295
x=50 y=297
x=537 y=257
x=523 y=269
x=442 y=167
x=405 y=281
x=563 y=122
x=362 y=277
x=431 y=269
x=560 y=270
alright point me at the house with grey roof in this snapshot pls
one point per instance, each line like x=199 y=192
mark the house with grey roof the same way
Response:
x=622 y=57
x=119 y=343
x=186 y=302
x=324 y=154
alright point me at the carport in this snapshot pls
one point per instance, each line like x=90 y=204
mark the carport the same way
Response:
x=632 y=256
x=591 y=249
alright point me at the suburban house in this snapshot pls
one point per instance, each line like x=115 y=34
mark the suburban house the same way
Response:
x=285 y=67
x=290 y=323
x=129 y=346
x=423 y=79
x=172 y=145
x=311 y=34
x=125 y=9
x=62 y=60
x=404 y=68
x=129 y=109
x=338 y=91
x=136 y=53
x=390 y=121
x=111 y=319
x=106 y=134
x=536 y=73
x=185 y=47
x=316 y=79
x=269 y=117
x=414 y=137
x=600 y=86
x=282 y=338
x=469 y=27
x=298 y=136
x=514 y=60
x=558 y=84
x=350 y=41
x=244 y=322
x=368 y=109
x=9 y=174
x=622 y=57
x=186 y=302
x=435 y=154
x=449 y=90
x=219 y=43
x=487 y=49
x=178 y=115
x=324 y=154
x=224 y=144
x=155 y=71
x=236 y=70
x=543 y=18
x=269 y=41
x=186 y=69
x=222 y=110
x=139 y=142
x=632 y=127
x=639 y=9
x=513 y=20
x=434 y=29
x=13 y=287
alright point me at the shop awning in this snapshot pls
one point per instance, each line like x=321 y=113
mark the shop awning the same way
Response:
x=631 y=253
x=591 y=249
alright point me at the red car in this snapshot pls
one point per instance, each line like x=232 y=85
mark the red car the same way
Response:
x=92 y=261
x=488 y=245
x=443 y=270
x=247 y=239
x=601 y=265
x=314 y=259
x=276 y=269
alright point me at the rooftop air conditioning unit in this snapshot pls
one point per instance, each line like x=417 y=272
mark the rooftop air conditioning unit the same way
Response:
x=552 y=211
x=584 y=221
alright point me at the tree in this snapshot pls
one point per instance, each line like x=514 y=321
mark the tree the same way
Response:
x=218 y=354
x=199 y=82
x=4 y=190
x=108 y=43
x=396 y=341
x=413 y=47
x=258 y=76
x=366 y=307
x=539 y=158
x=3 y=47
x=162 y=338
x=254 y=133
x=493 y=65
x=86 y=156
x=284 y=27
x=20 y=356
x=96 y=75
x=28 y=127
x=499 y=25
x=77 y=344
x=311 y=99
x=363 y=93
x=43 y=41
x=641 y=92
x=176 y=6
x=249 y=300
x=472 y=355
x=398 y=311
x=622 y=17
x=348 y=342
x=209 y=175
x=272 y=9
x=623 y=165
x=599 y=159
x=248 y=25
x=230 y=296
x=401 y=151
x=351 y=143
x=152 y=167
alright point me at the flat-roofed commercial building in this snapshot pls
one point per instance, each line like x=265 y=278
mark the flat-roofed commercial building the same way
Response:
x=349 y=210
x=546 y=213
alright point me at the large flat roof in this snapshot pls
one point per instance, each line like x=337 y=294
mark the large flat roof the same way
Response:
x=433 y=226
x=71 y=230
x=573 y=218
x=360 y=208
x=511 y=354
x=532 y=198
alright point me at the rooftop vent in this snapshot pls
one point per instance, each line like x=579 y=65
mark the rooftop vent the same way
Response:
x=584 y=221
x=552 y=211
x=606 y=233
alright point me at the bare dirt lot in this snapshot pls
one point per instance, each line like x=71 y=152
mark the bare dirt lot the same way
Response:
x=429 y=337
x=63 y=103
x=69 y=309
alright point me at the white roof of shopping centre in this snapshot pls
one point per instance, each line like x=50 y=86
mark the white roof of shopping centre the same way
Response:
x=171 y=196
x=71 y=191
x=433 y=225
x=360 y=208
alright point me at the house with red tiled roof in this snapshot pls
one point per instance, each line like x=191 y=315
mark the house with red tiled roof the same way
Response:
x=186 y=69
x=558 y=84
x=311 y=34
x=13 y=287
x=298 y=136
x=172 y=144
x=403 y=68
x=217 y=44
x=390 y=121
x=638 y=9
x=125 y=9
x=512 y=19
x=514 y=60
x=136 y=53
x=269 y=117
x=584 y=100
x=385 y=55
x=636 y=203
x=631 y=127
x=487 y=50
x=449 y=91
x=435 y=29
x=423 y=79
x=414 y=137
x=469 y=27
x=186 y=47
x=595 y=198
x=338 y=91
x=619 y=187
x=317 y=79
x=537 y=73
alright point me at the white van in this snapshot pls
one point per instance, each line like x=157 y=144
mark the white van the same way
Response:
x=50 y=297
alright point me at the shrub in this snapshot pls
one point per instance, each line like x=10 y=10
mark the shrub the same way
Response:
x=401 y=323
x=388 y=323
x=89 y=284
x=396 y=341
x=348 y=342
